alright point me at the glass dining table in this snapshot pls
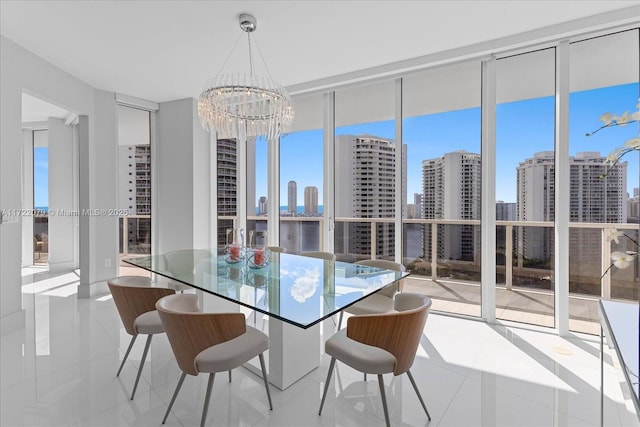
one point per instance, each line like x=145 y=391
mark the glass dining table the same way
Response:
x=296 y=293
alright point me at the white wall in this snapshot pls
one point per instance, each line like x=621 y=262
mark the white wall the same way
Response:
x=183 y=178
x=62 y=223
x=24 y=71
x=98 y=192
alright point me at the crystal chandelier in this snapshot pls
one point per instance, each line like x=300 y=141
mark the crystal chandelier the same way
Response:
x=231 y=101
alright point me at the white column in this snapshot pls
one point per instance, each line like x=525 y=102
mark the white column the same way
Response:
x=27 y=197
x=245 y=175
x=562 y=177
x=61 y=196
x=400 y=188
x=488 y=207
x=329 y=192
x=182 y=181
x=11 y=312
x=98 y=192
x=84 y=202
x=273 y=192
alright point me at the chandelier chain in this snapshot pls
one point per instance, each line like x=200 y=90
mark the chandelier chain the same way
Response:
x=251 y=69
x=229 y=55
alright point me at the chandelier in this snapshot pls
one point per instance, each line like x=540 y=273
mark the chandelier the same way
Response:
x=260 y=105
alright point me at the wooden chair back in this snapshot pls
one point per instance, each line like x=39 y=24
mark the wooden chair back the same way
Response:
x=191 y=332
x=132 y=301
x=398 y=333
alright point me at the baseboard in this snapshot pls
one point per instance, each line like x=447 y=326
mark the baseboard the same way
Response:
x=93 y=289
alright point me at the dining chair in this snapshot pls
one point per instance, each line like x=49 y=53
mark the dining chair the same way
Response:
x=381 y=301
x=209 y=342
x=135 y=301
x=319 y=254
x=183 y=262
x=381 y=343
x=257 y=238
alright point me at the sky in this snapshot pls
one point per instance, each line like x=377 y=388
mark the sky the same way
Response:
x=40 y=177
x=522 y=129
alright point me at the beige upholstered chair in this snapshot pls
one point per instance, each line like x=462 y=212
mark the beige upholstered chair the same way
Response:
x=319 y=254
x=381 y=301
x=136 y=300
x=278 y=249
x=381 y=343
x=209 y=342
x=183 y=263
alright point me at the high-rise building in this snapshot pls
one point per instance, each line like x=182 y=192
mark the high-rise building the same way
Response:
x=262 y=205
x=592 y=199
x=452 y=190
x=417 y=203
x=135 y=194
x=135 y=179
x=633 y=207
x=365 y=188
x=505 y=211
x=411 y=211
x=292 y=199
x=227 y=185
x=413 y=234
x=311 y=200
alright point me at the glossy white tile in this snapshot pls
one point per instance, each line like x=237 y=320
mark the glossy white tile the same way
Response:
x=60 y=370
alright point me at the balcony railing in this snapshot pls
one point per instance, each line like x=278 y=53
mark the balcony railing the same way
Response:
x=135 y=234
x=524 y=257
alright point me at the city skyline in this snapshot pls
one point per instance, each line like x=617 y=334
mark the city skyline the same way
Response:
x=526 y=121
x=514 y=123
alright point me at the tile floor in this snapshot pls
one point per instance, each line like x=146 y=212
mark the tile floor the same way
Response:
x=60 y=371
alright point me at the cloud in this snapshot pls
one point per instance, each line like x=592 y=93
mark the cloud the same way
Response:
x=305 y=286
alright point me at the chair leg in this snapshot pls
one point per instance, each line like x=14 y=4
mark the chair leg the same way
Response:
x=229 y=375
x=144 y=357
x=326 y=383
x=175 y=394
x=340 y=320
x=207 y=397
x=264 y=377
x=384 y=399
x=133 y=339
x=415 y=387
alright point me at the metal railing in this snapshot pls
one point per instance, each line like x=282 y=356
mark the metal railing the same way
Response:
x=135 y=234
x=517 y=268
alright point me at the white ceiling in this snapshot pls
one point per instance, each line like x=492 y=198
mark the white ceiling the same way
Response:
x=165 y=50
x=35 y=110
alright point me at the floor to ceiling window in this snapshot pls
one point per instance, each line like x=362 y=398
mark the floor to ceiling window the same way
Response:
x=40 y=197
x=301 y=178
x=257 y=187
x=366 y=153
x=438 y=168
x=604 y=198
x=441 y=224
x=134 y=180
x=525 y=187
x=227 y=187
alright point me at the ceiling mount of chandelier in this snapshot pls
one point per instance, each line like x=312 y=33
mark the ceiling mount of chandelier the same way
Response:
x=258 y=104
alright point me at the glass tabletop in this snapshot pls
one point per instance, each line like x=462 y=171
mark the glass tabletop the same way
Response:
x=296 y=289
